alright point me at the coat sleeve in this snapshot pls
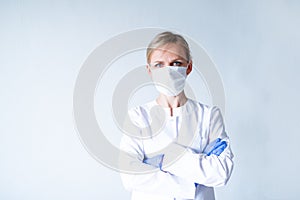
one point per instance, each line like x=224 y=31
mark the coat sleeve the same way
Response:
x=206 y=170
x=138 y=176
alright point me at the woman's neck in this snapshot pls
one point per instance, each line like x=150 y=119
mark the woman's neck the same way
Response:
x=172 y=101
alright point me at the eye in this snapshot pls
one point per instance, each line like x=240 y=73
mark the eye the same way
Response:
x=177 y=63
x=158 y=65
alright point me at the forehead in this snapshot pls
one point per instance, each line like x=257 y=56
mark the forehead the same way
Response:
x=168 y=51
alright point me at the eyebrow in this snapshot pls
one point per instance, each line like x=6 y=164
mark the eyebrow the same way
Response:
x=176 y=59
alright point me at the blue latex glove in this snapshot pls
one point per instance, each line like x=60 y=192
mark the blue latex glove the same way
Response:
x=155 y=161
x=216 y=147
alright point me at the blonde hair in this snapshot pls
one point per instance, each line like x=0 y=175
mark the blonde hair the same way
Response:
x=167 y=38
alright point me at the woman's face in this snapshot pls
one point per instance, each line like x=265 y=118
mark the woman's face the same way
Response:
x=170 y=54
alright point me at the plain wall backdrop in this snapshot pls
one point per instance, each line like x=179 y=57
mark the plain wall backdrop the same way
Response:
x=254 y=44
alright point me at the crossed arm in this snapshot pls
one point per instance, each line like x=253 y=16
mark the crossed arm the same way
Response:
x=212 y=167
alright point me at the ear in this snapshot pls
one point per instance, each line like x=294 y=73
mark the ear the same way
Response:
x=189 y=68
x=148 y=69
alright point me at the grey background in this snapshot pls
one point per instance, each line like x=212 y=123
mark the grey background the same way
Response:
x=255 y=45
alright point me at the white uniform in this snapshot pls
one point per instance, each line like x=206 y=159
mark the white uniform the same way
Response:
x=177 y=181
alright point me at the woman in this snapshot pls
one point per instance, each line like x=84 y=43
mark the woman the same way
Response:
x=189 y=153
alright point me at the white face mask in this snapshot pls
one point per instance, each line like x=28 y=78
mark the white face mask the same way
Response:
x=169 y=80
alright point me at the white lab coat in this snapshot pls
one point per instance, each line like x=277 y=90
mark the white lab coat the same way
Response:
x=177 y=181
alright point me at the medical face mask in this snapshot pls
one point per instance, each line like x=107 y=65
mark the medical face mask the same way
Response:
x=169 y=80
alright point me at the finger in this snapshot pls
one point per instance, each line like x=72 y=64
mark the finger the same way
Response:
x=211 y=146
x=219 y=143
x=220 y=149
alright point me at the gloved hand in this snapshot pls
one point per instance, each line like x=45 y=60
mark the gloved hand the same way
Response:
x=216 y=147
x=155 y=161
